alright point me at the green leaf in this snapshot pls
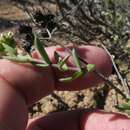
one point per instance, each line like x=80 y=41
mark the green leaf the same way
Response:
x=42 y=65
x=64 y=67
x=67 y=79
x=76 y=59
x=1 y=48
x=25 y=59
x=7 y=44
x=10 y=51
x=90 y=67
x=61 y=62
x=124 y=107
x=7 y=38
x=76 y=74
x=73 y=77
x=41 y=50
x=21 y=59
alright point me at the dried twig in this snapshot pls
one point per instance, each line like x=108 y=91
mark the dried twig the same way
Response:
x=108 y=82
x=123 y=82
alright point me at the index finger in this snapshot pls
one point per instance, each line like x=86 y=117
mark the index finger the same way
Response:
x=92 y=55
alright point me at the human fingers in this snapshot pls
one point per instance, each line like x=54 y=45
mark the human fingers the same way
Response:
x=100 y=120
x=32 y=82
x=81 y=120
x=13 y=109
x=91 y=54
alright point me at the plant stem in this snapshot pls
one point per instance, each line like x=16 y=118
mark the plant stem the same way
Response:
x=107 y=81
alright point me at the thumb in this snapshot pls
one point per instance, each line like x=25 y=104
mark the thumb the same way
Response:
x=81 y=120
x=100 y=120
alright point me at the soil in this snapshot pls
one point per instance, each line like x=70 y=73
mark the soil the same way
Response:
x=101 y=96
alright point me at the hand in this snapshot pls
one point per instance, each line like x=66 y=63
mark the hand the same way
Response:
x=81 y=120
x=22 y=85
